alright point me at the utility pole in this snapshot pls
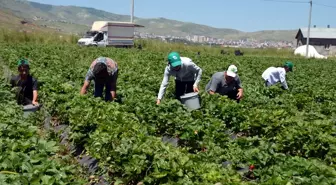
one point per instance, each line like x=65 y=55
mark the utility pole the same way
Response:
x=308 y=34
x=132 y=10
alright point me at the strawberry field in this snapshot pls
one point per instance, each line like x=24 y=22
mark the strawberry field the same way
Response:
x=283 y=137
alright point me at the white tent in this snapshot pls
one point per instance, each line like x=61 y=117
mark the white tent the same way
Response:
x=312 y=53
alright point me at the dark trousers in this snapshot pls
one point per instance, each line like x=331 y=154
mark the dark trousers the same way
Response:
x=99 y=88
x=267 y=84
x=24 y=101
x=233 y=95
x=21 y=98
x=182 y=88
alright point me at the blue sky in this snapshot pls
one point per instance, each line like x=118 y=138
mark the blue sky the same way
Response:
x=244 y=15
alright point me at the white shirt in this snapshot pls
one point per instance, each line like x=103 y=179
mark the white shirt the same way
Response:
x=274 y=75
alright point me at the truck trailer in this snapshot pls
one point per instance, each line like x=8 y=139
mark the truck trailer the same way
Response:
x=110 y=33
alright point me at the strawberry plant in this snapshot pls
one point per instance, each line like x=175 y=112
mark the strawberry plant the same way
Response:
x=276 y=136
x=28 y=156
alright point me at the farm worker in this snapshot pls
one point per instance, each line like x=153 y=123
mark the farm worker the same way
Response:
x=26 y=84
x=104 y=72
x=273 y=75
x=187 y=76
x=226 y=83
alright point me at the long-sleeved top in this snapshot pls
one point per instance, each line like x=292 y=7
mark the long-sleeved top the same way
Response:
x=112 y=69
x=274 y=75
x=189 y=72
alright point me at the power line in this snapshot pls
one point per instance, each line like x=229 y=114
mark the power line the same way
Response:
x=329 y=6
x=287 y=1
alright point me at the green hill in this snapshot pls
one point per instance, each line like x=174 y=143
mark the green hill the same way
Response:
x=75 y=19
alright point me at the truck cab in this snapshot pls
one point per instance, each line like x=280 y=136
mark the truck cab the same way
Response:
x=94 y=38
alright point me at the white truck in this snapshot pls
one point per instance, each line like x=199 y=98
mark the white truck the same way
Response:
x=108 y=33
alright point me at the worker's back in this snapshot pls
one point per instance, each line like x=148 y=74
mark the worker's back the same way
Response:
x=272 y=74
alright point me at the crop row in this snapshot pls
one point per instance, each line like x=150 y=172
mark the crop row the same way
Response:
x=28 y=154
x=289 y=136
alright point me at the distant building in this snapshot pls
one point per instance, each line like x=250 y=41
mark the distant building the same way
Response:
x=201 y=39
x=188 y=37
x=323 y=39
x=195 y=39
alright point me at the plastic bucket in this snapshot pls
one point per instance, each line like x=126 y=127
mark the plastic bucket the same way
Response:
x=171 y=140
x=28 y=109
x=191 y=100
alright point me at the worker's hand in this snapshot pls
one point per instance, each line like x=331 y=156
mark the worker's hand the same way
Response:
x=196 y=89
x=158 y=102
x=240 y=95
x=113 y=95
x=211 y=92
x=282 y=87
x=35 y=103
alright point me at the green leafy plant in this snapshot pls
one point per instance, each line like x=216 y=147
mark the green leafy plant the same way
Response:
x=280 y=137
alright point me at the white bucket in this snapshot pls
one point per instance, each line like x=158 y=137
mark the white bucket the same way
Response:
x=191 y=100
x=28 y=109
x=171 y=140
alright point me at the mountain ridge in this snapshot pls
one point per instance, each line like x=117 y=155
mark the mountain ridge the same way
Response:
x=77 y=19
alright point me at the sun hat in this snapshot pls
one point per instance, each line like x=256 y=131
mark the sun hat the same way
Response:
x=174 y=59
x=289 y=65
x=23 y=62
x=232 y=71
